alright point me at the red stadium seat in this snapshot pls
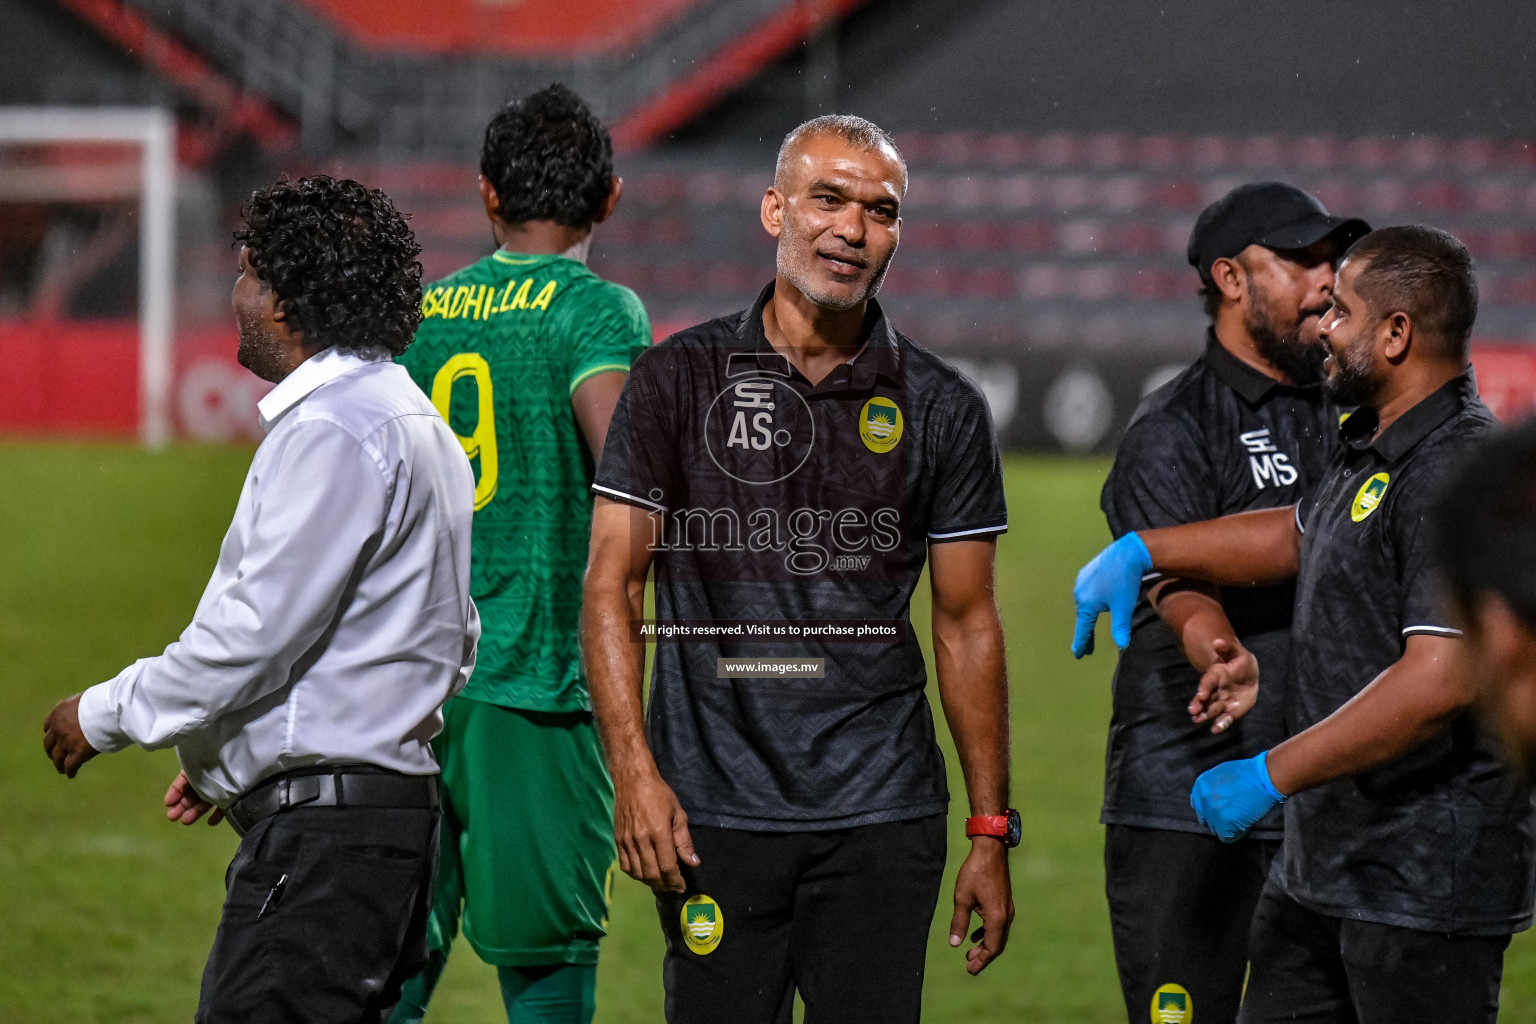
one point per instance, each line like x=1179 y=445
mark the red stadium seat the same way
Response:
x=526 y=28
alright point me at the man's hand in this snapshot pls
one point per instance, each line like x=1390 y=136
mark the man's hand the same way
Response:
x=982 y=887
x=651 y=830
x=1229 y=688
x=186 y=805
x=1112 y=583
x=63 y=741
x=1232 y=797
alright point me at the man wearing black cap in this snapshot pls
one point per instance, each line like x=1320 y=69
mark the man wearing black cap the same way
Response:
x=1408 y=859
x=1245 y=427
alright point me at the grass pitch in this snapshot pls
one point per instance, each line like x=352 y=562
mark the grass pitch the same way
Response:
x=107 y=910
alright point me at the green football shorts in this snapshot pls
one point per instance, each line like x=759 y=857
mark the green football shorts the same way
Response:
x=527 y=857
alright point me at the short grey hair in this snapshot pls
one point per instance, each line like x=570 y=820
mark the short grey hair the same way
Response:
x=851 y=128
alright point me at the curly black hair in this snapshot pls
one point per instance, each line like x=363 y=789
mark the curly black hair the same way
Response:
x=341 y=261
x=549 y=158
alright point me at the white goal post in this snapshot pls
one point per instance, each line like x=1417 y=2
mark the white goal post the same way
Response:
x=154 y=130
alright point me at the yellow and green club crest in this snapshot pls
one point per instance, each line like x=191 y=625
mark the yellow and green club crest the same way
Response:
x=703 y=924
x=1369 y=496
x=880 y=424
x=1172 y=1004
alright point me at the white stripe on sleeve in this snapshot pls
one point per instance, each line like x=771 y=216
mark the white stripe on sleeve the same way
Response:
x=968 y=533
x=1431 y=631
x=628 y=497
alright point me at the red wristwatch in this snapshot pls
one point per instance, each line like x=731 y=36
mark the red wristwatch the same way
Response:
x=1005 y=826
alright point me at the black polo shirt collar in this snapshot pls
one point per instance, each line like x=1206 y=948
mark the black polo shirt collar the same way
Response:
x=879 y=358
x=1252 y=385
x=1412 y=426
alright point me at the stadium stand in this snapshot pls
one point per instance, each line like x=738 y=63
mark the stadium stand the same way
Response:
x=1014 y=240
x=229 y=109
x=1052 y=253
x=1053 y=267
x=356 y=76
x=529 y=28
x=1048 y=257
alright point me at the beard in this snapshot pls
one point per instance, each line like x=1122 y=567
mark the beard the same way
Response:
x=797 y=262
x=260 y=351
x=1280 y=343
x=1356 y=379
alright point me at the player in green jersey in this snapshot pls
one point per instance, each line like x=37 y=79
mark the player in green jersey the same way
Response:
x=524 y=353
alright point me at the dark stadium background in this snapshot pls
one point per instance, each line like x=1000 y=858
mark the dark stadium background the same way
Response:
x=1059 y=152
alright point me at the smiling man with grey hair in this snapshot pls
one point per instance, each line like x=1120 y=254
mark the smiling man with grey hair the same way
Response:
x=789 y=470
x=855 y=131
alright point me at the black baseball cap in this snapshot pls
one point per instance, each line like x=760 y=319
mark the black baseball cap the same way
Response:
x=1268 y=213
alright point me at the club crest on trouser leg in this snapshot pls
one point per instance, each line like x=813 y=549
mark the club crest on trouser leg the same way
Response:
x=1172 y=1004
x=703 y=924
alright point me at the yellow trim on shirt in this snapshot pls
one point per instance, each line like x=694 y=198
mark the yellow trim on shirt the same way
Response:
x=582 y=377
x=508 y=258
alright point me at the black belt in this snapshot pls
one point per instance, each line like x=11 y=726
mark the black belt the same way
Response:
x=331 y=787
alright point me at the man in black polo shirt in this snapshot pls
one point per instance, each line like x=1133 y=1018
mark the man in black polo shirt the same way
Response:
x=1245 y=427
x=1407 y=860
x=789 y=469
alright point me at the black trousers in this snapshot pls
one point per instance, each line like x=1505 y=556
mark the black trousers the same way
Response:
x=842 y=916
x=1180 y=905
x=334 y=942
x=1316 y=969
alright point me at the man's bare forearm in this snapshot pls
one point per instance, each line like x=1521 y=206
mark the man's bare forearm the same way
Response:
x=614 y=670
x=968 y=657
x=650 y=827
x=1249 y=549
x=1401 y=709
x=973 y=687
x=613 y=597
x=1194 y=613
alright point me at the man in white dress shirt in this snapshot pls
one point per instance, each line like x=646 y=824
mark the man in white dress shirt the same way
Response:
x=302 y=698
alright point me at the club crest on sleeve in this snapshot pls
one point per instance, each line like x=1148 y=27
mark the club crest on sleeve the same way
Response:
x=703 y=924
x=1172 y=1004
x=880 y=424
x=1369 y=497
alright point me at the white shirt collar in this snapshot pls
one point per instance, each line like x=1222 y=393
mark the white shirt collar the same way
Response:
x=320 y=368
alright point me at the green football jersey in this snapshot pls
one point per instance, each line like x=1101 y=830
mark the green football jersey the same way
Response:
x=503 y=344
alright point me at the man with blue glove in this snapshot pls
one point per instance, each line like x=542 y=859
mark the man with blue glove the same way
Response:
x=1245 y=427
x=1408 y=860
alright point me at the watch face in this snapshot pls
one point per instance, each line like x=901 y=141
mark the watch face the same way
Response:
x=1015 y=829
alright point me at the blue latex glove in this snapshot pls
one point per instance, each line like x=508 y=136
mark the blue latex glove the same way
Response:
x=1110 y=583
x=1231 y=798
